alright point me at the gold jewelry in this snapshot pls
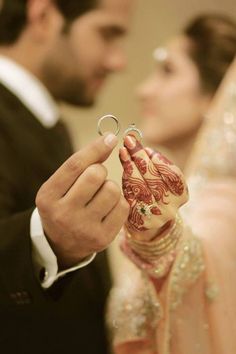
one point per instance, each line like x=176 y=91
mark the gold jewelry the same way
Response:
x=108 y=116
x=153 y=250
x=144 y=209
x=153 y=244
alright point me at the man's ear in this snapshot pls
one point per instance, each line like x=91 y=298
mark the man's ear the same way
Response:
x=42 y=17
x=37 y=9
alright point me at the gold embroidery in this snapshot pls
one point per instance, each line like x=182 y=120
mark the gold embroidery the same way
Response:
x=211 y=291
x=187 y=268
x=134 y=310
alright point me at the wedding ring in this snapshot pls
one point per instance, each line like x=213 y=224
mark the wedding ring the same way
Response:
x=132 y=128
x=108 y=116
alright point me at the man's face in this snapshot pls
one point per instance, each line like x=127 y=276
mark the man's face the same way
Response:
x=78 y=60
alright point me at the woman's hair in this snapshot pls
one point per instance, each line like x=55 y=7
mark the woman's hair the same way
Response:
x=213 y=47
x=13 y=15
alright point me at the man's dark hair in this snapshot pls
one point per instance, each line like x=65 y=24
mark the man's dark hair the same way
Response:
x=13 y=15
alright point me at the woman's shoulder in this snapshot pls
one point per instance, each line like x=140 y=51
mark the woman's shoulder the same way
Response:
x=211 y=214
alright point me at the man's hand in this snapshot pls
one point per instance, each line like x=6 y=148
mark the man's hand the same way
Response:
x=82 y=211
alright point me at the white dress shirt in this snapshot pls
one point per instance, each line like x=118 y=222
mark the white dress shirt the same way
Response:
x=38 y=100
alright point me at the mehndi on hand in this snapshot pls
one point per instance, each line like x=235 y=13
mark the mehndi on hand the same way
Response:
x=153 y=186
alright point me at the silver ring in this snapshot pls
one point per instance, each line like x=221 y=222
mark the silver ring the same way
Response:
x=144 y=209
x=132 y=128
x=108 y=116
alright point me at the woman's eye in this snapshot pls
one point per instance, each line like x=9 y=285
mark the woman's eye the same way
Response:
x=167 y=69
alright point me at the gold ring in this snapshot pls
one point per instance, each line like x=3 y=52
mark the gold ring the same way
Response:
x=108 y=116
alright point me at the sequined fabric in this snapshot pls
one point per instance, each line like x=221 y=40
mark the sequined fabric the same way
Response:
x=187 y=268
x=134 y=309
x=215 y=151
x=194 y=310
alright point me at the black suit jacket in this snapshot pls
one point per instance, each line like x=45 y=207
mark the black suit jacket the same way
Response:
x=68 y=317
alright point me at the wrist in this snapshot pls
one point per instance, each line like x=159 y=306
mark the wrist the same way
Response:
x=155 y=257
x=151 y=235
x=162 y=243
x=66 y=257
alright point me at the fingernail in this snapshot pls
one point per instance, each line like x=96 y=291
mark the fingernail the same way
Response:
x=130 y=142
x=111 y=140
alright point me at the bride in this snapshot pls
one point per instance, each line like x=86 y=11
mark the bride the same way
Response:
x=178 y=293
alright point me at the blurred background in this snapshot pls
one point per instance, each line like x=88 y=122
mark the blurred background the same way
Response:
x=154 y=22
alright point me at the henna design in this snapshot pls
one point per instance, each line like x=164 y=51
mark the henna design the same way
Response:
x=158 y=188
x=135 y=219
x=137 y=192
x=155 y=210
x=140 y=190
x=128 y=168
x=172 y=179
x=142 y=193
x=141 y=164
x=128 y=191
x=136 y=216
x=151 y=153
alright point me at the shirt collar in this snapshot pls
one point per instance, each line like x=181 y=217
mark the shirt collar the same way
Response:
x=32 y=93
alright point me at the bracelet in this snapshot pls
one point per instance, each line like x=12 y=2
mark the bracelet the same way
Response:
x=156 y=269
x=152 y=250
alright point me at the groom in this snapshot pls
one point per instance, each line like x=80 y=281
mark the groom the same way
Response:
x=57 y=209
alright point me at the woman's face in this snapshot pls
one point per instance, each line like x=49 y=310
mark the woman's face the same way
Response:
x=172 y=101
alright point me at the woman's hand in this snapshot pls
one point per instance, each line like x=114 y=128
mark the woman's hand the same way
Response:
x=153 y=186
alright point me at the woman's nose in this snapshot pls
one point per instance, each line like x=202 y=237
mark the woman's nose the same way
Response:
x=147 y=89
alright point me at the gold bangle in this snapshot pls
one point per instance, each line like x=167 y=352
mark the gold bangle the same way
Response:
x=151 y=256
x=155 y=249
x=159 y=241
x=154 y=252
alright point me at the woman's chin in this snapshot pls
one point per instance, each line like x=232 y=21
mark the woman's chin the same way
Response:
x=152 y=139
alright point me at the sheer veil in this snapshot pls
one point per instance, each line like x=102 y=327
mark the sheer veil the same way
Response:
x=214 y=154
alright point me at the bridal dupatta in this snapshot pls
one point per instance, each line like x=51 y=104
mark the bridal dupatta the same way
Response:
x=192 y=310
